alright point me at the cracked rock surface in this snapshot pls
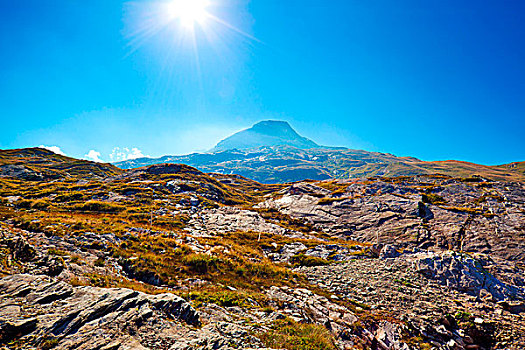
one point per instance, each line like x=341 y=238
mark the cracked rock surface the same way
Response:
x=42 y=308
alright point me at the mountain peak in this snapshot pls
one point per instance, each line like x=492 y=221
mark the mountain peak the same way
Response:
x=266 y=133
x=275 y=124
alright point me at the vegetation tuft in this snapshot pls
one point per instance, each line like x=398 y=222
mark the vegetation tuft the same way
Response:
x=290 y=335
x=432 y=198
x=306 y=260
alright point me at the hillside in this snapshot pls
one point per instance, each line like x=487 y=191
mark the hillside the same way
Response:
x=42 y=164
x=516 y=167
x=169 y=257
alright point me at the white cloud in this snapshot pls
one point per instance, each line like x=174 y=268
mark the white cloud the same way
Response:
x=54 y=149
x=120 y=154
x=94 y=156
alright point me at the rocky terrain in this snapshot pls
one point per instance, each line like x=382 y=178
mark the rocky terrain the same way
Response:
x=168 y=257
x=273 y=152
x=465 y=215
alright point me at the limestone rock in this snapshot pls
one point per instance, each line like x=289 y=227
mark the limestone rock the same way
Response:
x=84 y=317
x=389 y=252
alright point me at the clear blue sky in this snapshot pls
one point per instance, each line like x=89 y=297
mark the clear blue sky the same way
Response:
x=437 y=80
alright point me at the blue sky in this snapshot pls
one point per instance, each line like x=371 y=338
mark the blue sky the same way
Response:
x=431 y=79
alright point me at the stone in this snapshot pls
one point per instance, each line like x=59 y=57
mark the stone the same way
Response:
x=514 y=307
x=291 y=249
x=389 y=252
x=11 y=330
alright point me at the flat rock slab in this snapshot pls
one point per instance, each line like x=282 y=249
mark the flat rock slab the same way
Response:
x=41 y=309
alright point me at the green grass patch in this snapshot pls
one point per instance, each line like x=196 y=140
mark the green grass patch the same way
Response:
x=226 y=298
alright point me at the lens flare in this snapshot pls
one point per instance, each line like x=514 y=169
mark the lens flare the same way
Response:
x=188 y=12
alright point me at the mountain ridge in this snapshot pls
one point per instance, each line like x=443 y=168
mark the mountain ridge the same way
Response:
x=285 y=162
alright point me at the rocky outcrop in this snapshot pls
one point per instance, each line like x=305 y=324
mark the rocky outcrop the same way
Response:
x=478 y=217
x=305 y=306
x=389 y=252
x=231 y=219
x=20 y=172
x=41 y=309
x=286 y=252
x=34 y=260
x=328 y=252
x=465 y=273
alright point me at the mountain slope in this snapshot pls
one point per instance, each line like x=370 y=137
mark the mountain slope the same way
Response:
x=40 y=164
x=265 y=133
x=167 y=257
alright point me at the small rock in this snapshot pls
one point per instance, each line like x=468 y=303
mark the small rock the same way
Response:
x=389 y=252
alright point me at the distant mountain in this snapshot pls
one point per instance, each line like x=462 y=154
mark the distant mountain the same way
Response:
x=272 y=152
x=280 y=164
x=266 y=133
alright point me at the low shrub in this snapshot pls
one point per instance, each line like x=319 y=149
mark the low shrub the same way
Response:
x=57 y=252
x=40 y=204
x=33 y=204
x=69 y=197
x=49 y=343
x=100 y=262
x=33 y=226
x=202 y=263
x=306 y=260
x=75 y=259
x=432 y=198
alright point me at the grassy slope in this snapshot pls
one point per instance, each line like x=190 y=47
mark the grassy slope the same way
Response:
x=466 y=169
x=516 y=167
x=52 y=165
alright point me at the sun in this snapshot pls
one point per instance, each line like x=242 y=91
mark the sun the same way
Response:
x=188 y=12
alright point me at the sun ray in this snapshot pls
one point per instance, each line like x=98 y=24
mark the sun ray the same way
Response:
x=182 y=17
x=235 y=29
x=183 y=34
x=197 y=60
